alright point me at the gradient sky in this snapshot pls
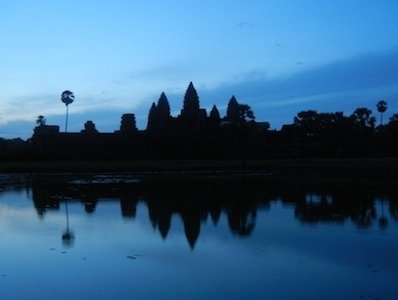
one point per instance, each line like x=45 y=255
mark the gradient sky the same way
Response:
x=278 y=56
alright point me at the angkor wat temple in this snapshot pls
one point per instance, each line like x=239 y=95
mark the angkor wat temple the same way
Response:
x=192 y=134
x=198 y=134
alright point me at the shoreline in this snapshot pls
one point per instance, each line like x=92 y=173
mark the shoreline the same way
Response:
x=386 y=166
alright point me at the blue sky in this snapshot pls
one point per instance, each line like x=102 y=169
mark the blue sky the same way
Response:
x=278 y=56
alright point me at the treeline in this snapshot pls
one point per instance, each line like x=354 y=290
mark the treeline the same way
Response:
x=337 y=135
x=197 y=134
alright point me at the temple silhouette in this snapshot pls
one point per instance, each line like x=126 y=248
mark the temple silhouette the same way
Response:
x=194 y=133
x=198 y=134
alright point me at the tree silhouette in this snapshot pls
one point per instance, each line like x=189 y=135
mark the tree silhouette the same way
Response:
x=393 y=122
x=246 y=114
x=394 y=118
x=393 y=129
x=41 y=120
x=67 y=97
x=362 y=118
x=308 y=121
x=381 y=108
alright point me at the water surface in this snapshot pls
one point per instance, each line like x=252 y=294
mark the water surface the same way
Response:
x=107 y=236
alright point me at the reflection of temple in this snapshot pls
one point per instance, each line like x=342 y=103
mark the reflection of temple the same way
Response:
x=237 y=197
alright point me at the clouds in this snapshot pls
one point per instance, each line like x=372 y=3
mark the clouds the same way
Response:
x=120 y=56
x=340 y=86
x=246 y=25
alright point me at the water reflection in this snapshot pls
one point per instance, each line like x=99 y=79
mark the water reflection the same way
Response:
x=68 y=236
x=196 y=237
x=196 y=199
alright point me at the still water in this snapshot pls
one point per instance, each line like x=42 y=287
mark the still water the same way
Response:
x=107 y=236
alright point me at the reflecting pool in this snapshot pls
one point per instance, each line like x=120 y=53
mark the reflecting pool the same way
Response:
x=207 y=236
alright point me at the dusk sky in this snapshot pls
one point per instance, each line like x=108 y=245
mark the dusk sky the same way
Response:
x=278 y=56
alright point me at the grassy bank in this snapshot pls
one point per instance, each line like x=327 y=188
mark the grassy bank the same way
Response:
x=386 y=166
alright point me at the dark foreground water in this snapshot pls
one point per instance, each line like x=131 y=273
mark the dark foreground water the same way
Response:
x=196 y=237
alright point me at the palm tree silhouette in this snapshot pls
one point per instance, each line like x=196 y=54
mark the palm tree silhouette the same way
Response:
x=67 y=97
x=381 y=108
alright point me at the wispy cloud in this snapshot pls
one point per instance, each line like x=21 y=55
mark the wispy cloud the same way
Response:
x=246 y=25
x=339 y=86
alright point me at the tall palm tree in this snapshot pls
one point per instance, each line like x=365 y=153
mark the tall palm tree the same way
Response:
x=67 y=97
x=381 y=108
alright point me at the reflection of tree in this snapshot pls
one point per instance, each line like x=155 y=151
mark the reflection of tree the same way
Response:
x=200 y=199
x=90 y=203
x=241 y=224
x=393 y=209
x=313 y=208
x=241 y=217
x=68 y=236
x=364 y=212
x=44 y=196
x=383 y=221
x=356 y=204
